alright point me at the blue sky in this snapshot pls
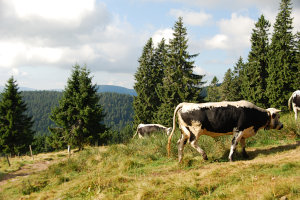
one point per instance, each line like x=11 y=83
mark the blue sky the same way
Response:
x=40 y=40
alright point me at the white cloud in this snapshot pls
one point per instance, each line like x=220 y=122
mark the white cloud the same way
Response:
x=167 y=34
x=41 y=34
x=59 y=10
x=219 y=41
x=234 y=34
x=191 y=17
x=198 y=70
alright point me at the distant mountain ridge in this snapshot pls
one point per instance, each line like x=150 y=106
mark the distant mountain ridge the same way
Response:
x=100 y=89
x=115 y=89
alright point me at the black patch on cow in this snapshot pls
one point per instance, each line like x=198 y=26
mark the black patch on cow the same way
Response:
x=233 y=140
x=226 y=119
x=296 y=100
x=192 y=136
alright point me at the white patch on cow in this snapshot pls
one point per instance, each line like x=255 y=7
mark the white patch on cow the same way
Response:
x=189 y=107
x=145 y=125
x=297 y=92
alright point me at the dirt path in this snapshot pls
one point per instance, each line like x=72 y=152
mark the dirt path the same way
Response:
x=24 y=171
x=42 y=162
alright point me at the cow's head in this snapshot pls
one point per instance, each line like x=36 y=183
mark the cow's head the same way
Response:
x=274 y=119
x=169 y=130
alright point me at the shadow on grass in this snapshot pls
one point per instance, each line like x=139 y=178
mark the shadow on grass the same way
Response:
x=273 y=150
x=237 y=156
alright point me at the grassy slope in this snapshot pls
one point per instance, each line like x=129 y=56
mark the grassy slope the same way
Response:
x=141 y=170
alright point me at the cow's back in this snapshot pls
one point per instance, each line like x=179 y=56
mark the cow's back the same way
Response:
x=223 y=118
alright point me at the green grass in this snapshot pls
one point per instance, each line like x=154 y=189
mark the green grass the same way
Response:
x=141 y=169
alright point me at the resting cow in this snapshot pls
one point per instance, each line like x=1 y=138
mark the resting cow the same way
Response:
x=241 y=119
x=146 y=129
x=294 y=101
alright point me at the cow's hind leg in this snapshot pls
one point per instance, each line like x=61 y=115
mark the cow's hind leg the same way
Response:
x=243 y=144
x=296 y=112
x=181 y=142
x=201 y=151
x=236 y=138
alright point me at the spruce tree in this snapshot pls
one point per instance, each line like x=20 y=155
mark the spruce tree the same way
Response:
x=254 y=81
x=237 y=79
x=79 y=115
x=226 y=86
x=15 y=126
x=159 y=61
x=144 y=86
x=282 y=69
x=180 y=84
x=297 y=63
x=213 y=91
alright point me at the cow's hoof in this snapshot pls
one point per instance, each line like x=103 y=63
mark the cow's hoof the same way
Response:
x=205 y=157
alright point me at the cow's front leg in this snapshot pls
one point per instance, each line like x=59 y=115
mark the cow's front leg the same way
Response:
x=243 y=144
x=236 y=138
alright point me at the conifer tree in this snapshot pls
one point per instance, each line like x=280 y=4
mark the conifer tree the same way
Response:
x=79 y=115
x=237 y=79
x=297 y=52
x=226 y=94
x=15 y=126
x=282 y=69
x=144 y=86
x=179 y=83
x=159 y=61
x=213 y=91
x=254 y=81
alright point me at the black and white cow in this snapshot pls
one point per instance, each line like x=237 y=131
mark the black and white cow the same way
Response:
x=241 y=119
x=147 y=129
x=294 y=101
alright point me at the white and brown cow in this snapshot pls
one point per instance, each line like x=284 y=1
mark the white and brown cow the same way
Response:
x=241 y=119
x=294 y=102
x=147 y=129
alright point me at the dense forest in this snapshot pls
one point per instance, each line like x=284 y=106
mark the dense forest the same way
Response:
x=117 y=107
x=267 y=78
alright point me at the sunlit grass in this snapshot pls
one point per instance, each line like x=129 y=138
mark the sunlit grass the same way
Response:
x=141 y=169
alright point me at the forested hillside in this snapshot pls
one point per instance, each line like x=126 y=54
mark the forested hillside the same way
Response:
x=118 y=108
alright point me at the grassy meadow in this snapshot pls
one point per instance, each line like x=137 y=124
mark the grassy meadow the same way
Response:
x=141 y=169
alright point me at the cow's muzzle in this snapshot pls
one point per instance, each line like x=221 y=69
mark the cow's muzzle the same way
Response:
x=280 y=127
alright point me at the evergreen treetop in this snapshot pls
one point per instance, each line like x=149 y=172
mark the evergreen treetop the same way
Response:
x=79 y=115
x=282 y=65
x=15 y=126
x=180 y=84
x=256 y=68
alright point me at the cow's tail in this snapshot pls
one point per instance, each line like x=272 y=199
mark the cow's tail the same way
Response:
x=136 y=132
x=173 y=129
x=290 y=102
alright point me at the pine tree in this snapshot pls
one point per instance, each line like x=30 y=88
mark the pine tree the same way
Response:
x=144 y=86
x=297 y=54
x=213 y=92
x=179 y=83
x=15 y=126
x=79 y=115
x=237 y=79
x=159 y=60
x=254 y=81
x=282 y=69
x=226 y=94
